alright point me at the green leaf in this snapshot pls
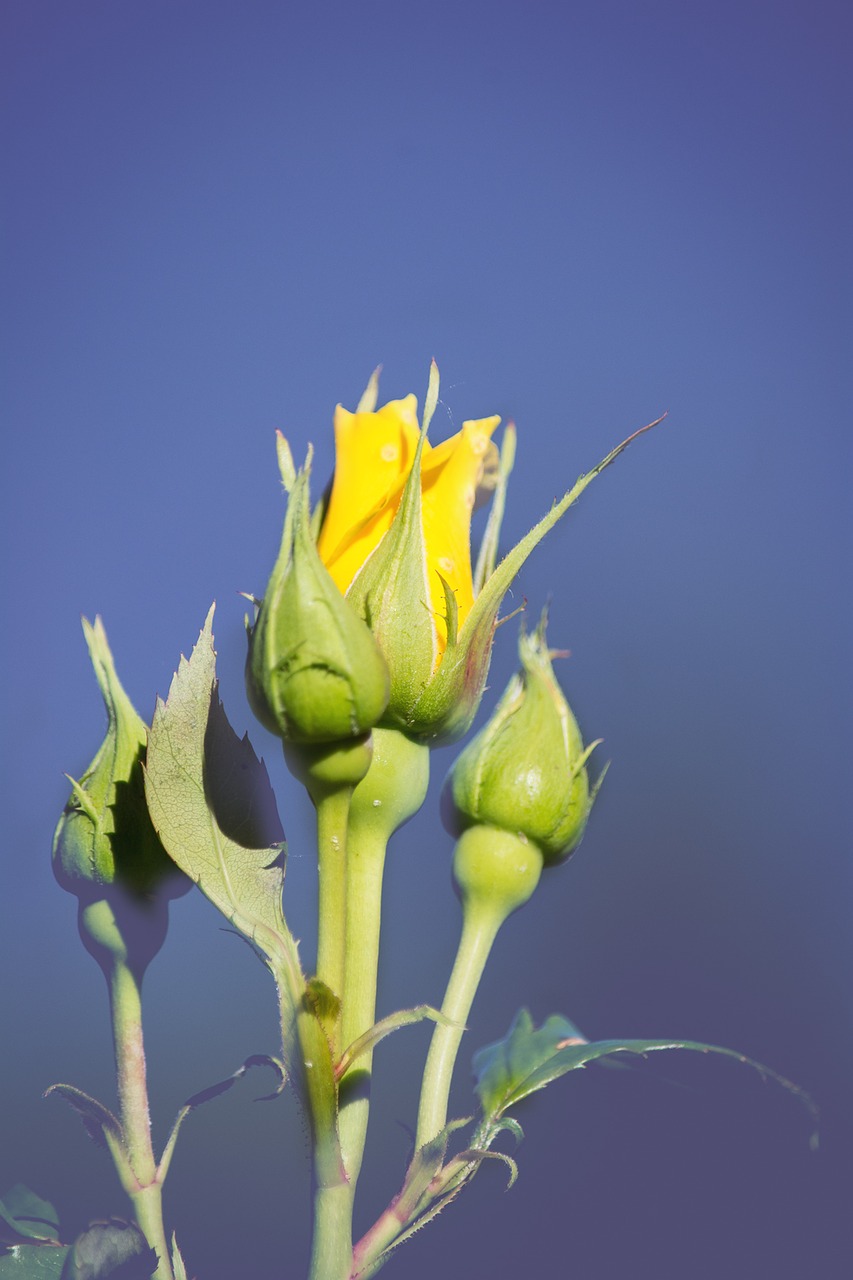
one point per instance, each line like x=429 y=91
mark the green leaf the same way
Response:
x=98 y=1120
x=100 y=1124
x=384 y=1027
x=528 y=1058
x=213 y=807
x=25 y=1216
x=178 y=1264
x=210 y=799
x=33 y=1262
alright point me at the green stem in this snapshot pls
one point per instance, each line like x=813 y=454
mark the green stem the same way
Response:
x=331 y=1249
x=365 y=869
x=393 y=789
x=308 y=1054
x=126 y=1011
x=479 y=929
x=332 y=812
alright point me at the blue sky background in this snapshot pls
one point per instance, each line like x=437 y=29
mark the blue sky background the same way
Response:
x=218 y=219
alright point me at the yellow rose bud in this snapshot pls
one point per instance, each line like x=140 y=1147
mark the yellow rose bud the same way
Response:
x=375 y=453
x=396 y=537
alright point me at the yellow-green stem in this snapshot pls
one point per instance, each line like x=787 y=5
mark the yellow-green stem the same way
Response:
x=479 y=928
x=126 y=1011
x=392 y=791
x=331 y=1246
x=365 y=867
x=307 y=1053
x=332 y=812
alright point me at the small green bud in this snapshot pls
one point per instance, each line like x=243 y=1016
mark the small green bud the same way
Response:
x=525 y=772
x=314 y=673
x=105 y=836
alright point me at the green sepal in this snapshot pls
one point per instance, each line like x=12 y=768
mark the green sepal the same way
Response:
x=529 y=1057
x=488 y=554
x=314 y=672
x=24 y=1216
x=391 y=592
x=105 y=836
x=444 y=711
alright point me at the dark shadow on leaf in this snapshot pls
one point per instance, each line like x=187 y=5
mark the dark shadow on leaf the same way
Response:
x=237 y=786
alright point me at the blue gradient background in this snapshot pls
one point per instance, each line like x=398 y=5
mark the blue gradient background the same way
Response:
x=219 y=218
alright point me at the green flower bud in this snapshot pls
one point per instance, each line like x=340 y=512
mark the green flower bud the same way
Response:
x=105 y=837
x=314 y=672
x=525 y=772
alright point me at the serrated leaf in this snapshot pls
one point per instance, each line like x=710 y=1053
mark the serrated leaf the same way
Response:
x=25 y=1216
x=210 y=799
x=528 y=1058
x=33 y=1262
x=384 y=1027
x=178 y=1265
x=213 y=807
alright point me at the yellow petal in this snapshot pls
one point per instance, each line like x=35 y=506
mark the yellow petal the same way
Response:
x=450 y=476
x=374 y=455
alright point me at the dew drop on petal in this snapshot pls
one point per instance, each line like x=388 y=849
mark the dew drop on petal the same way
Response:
x=389 y=453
